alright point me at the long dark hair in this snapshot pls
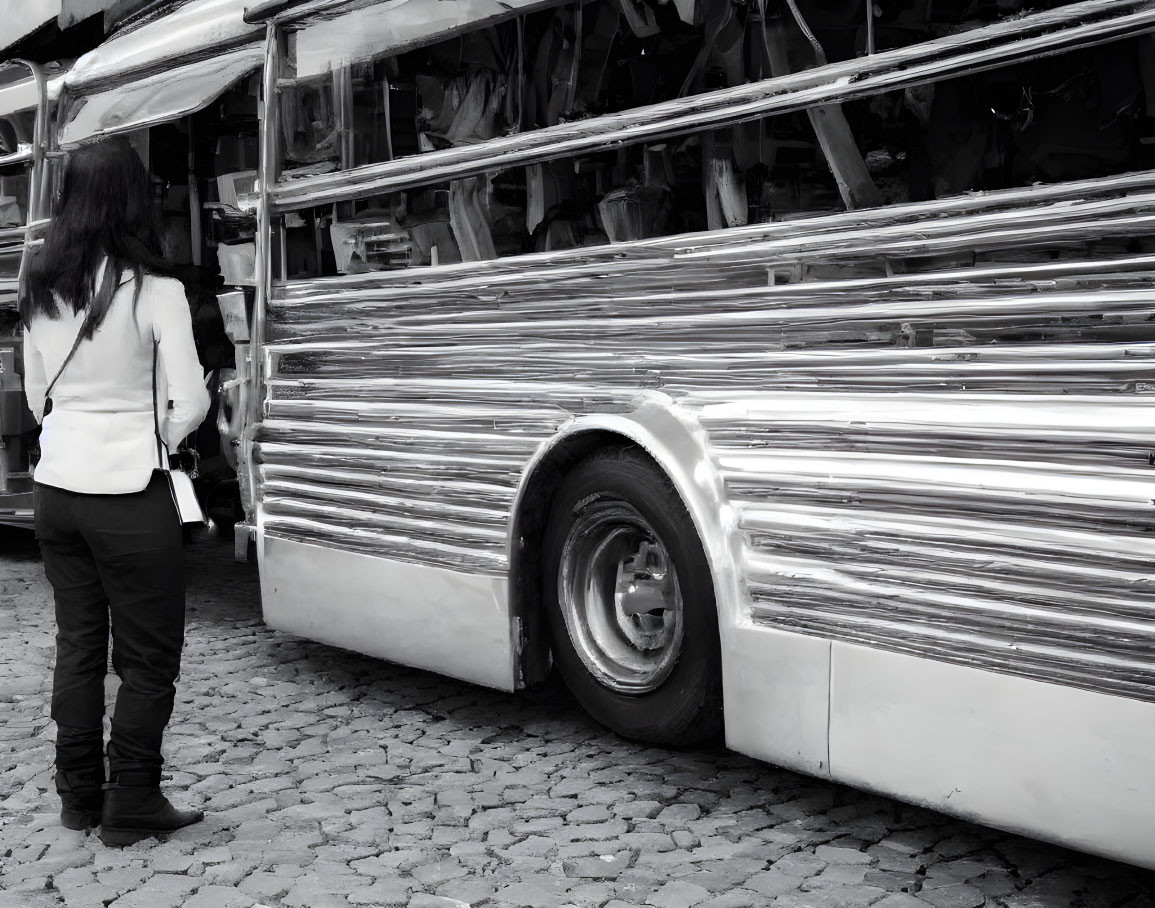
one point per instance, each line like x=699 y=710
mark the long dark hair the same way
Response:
x=105 y=209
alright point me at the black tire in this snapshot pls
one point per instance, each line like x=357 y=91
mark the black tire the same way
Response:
x=685 y=707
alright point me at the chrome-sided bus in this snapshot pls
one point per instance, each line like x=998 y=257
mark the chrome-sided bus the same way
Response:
x=770 y=373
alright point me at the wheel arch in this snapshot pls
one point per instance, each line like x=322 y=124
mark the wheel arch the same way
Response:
x=677 y=445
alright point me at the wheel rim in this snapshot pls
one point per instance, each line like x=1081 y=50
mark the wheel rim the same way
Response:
x=620 y=599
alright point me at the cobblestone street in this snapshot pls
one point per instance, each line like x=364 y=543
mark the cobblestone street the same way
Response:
x=330 y=779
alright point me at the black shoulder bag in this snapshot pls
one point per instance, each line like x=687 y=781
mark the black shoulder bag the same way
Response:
x=180 y=484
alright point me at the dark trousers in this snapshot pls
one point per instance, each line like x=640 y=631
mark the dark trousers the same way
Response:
x=120 y=556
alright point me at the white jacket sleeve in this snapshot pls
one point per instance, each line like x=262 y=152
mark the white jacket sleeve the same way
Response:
x=35 y=381
x=188 y=399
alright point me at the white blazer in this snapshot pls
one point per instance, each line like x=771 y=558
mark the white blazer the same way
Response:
x=99 y=437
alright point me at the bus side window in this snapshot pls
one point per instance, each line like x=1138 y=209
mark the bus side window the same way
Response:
x=1079 y=114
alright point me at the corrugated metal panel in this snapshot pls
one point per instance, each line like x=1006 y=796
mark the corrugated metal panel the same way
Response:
x=952 y=463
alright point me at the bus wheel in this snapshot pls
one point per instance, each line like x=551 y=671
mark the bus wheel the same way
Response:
x=630 y=602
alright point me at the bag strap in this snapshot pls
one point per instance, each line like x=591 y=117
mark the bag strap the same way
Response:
x=68 y=358
x=84 y=325
x=160 y=445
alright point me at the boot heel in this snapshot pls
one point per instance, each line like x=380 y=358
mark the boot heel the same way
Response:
x=140 y=811
x=119 y=838
x=79 y=819
x=81 y=800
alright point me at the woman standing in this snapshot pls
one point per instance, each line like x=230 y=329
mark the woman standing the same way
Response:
x=98 y=318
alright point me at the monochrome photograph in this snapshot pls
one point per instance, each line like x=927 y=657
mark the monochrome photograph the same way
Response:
x=577 y=453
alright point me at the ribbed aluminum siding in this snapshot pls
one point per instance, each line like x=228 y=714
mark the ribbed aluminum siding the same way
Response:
x=949 y=461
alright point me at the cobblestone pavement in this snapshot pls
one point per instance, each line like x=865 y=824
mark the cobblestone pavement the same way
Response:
x=331 y=779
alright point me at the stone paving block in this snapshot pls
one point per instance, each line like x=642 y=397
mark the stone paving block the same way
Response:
x=736 y=898
x=958 y=845
x=837 y=875
x=722 y=876
x=961 y=896
x=678 y=815
x=634 y=809
x=577 y=832
x=121 y=879
x=669 y=863
x=892 y=881
x=727 y=851
x=316 y=899
x=996 y=883
x=73 y=878
x=218 y=897
x=229 y=873
x=534 y=891
x=35 y=898
x=888 y=859
x=538 y=824
x=93 y=895
x=531 y=846
x=425 y=900
x=647 y=841
x=583 y=850
x=683 y=838
x=449 y=835
x=252 y=810
x=472 y=890
x=772 y=883
x=518 y=867
x=42 y=867
x=909 y=841
x=900 y=900
x=844 y=897
x=55 y=834
x=678 y=894
x=833 y=855
x=569 y=787
x=598 y=867
x=386 y=891
x=800 y=864
x=951 y=873
x=264 y=884
x=602 y=796
x=433 y=874
x=590 y=895
x=171 y=861
x=217 y=855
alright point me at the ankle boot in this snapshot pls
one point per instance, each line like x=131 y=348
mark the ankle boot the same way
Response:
x=135 y=809
x=81 y=797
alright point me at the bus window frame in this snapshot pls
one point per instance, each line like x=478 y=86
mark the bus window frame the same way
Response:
x=35 y=159
x=1034 y=36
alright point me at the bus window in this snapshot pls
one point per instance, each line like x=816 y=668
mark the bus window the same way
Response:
x=771 y=169
x=375 y=85
x=1076 y=115
x=413 y=93
x=16 y=131
x=1079 y=115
